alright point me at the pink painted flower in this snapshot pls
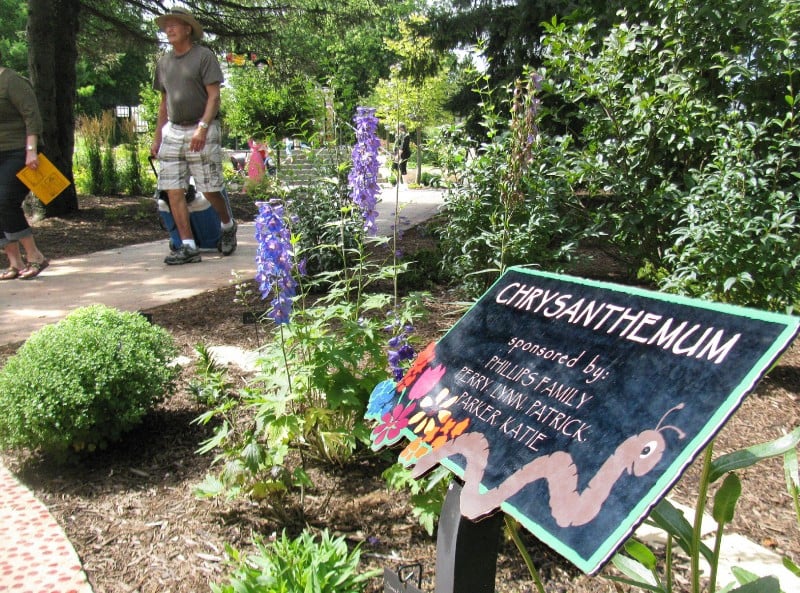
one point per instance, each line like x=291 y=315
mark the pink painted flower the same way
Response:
x=392 y=424
x=426 y=382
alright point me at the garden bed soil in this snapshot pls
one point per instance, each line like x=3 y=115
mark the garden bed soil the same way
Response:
x=133 y=517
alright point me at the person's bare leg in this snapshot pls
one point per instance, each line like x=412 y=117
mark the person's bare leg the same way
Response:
x=14 y=256
x=218 y=203
x=180 y=212
x=227 y=243
x=31 y=250
x=187 y=252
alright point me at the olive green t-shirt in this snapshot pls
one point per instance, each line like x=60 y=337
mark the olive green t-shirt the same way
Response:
x=19 y=111
x=184 y=79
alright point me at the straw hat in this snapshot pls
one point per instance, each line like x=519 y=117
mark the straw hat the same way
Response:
x=182 y=15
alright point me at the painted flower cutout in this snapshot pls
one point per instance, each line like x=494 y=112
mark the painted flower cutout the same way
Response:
x=391 y=426
x=426 y=382
x=433 y=412
x=413 y=451
x=446 y=432
x=381 y=399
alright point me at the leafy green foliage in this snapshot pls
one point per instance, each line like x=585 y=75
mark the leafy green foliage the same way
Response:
x=13 y=45
x=316 y=371
x=737 y=239
x=639 y=565
x=323 y=565
x=427 y=493
x=83 y=382
x=316 y=375
x=324 y=220
x=258 y=105
x=211 y=384
x=689 y=166
x=486 y=231
x=678 y=158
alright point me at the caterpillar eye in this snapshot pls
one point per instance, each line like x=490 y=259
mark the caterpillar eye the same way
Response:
x=648 y=449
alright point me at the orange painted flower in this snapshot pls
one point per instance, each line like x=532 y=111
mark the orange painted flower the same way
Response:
x=413 y=451
x=449 y=430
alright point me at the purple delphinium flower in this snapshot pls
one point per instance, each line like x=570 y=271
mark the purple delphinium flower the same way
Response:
x=363 y=177
x=274 y=260
x=400 y=351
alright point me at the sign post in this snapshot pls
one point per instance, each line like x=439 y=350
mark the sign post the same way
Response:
x=575 y=405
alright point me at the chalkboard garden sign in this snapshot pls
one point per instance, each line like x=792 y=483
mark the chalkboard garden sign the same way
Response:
x=575 y=405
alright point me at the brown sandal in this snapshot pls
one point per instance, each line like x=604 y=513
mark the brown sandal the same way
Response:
x=9 y=273
x=34 y=269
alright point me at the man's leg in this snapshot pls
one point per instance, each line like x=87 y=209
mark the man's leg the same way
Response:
x=219 y=204
x=227 y=243
x=180 y=213
x=187 y=253
x=206 y=168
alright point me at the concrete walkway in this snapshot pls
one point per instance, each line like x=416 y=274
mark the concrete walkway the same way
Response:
x=135 y=278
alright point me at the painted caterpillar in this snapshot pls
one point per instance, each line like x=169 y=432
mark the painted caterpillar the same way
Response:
x=637 y=455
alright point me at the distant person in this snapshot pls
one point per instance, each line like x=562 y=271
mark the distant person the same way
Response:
x=288 y=145
x=401 y=154
x=269 y=163
x=255 y=164
x=187 y=138
x=20 y=128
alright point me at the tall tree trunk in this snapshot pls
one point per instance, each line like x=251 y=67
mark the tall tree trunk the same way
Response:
x=52 y=55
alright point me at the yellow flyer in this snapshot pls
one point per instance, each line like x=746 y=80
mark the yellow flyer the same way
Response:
x=46 y=182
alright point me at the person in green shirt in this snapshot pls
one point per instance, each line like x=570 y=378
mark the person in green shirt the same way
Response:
x=20 y=128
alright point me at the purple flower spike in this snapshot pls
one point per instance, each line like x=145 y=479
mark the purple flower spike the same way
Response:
x=363 y=178
x=275 y=260
x=400 y=352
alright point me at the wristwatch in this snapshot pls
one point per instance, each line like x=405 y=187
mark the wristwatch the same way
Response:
x=30 y=147
x=202 y=124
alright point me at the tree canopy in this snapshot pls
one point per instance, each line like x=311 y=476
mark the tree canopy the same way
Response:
x=88 y=55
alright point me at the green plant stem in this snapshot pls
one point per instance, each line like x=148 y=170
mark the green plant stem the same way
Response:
x=394 y=242
x=698 y=518
x=511 y=526
x=668 y=564
x=361 y=274
x=712 y=579
x=285 y=359
x=344 y=252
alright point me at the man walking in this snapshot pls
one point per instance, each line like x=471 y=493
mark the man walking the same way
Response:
x=402 y=152
x=187 y=137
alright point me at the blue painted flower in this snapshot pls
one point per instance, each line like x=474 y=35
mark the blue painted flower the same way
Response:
x=381 y=400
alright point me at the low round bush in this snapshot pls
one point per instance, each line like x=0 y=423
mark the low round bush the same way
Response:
x=83 y=382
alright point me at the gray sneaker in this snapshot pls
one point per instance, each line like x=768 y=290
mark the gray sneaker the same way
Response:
x=227 y=243
x=182 y=255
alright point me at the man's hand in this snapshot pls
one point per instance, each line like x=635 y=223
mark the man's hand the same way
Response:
x=198 y=140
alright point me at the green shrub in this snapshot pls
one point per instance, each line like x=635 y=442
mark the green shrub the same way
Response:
x=737 y=240
x=431 y=179
x=302 y=564
x=84 y=381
